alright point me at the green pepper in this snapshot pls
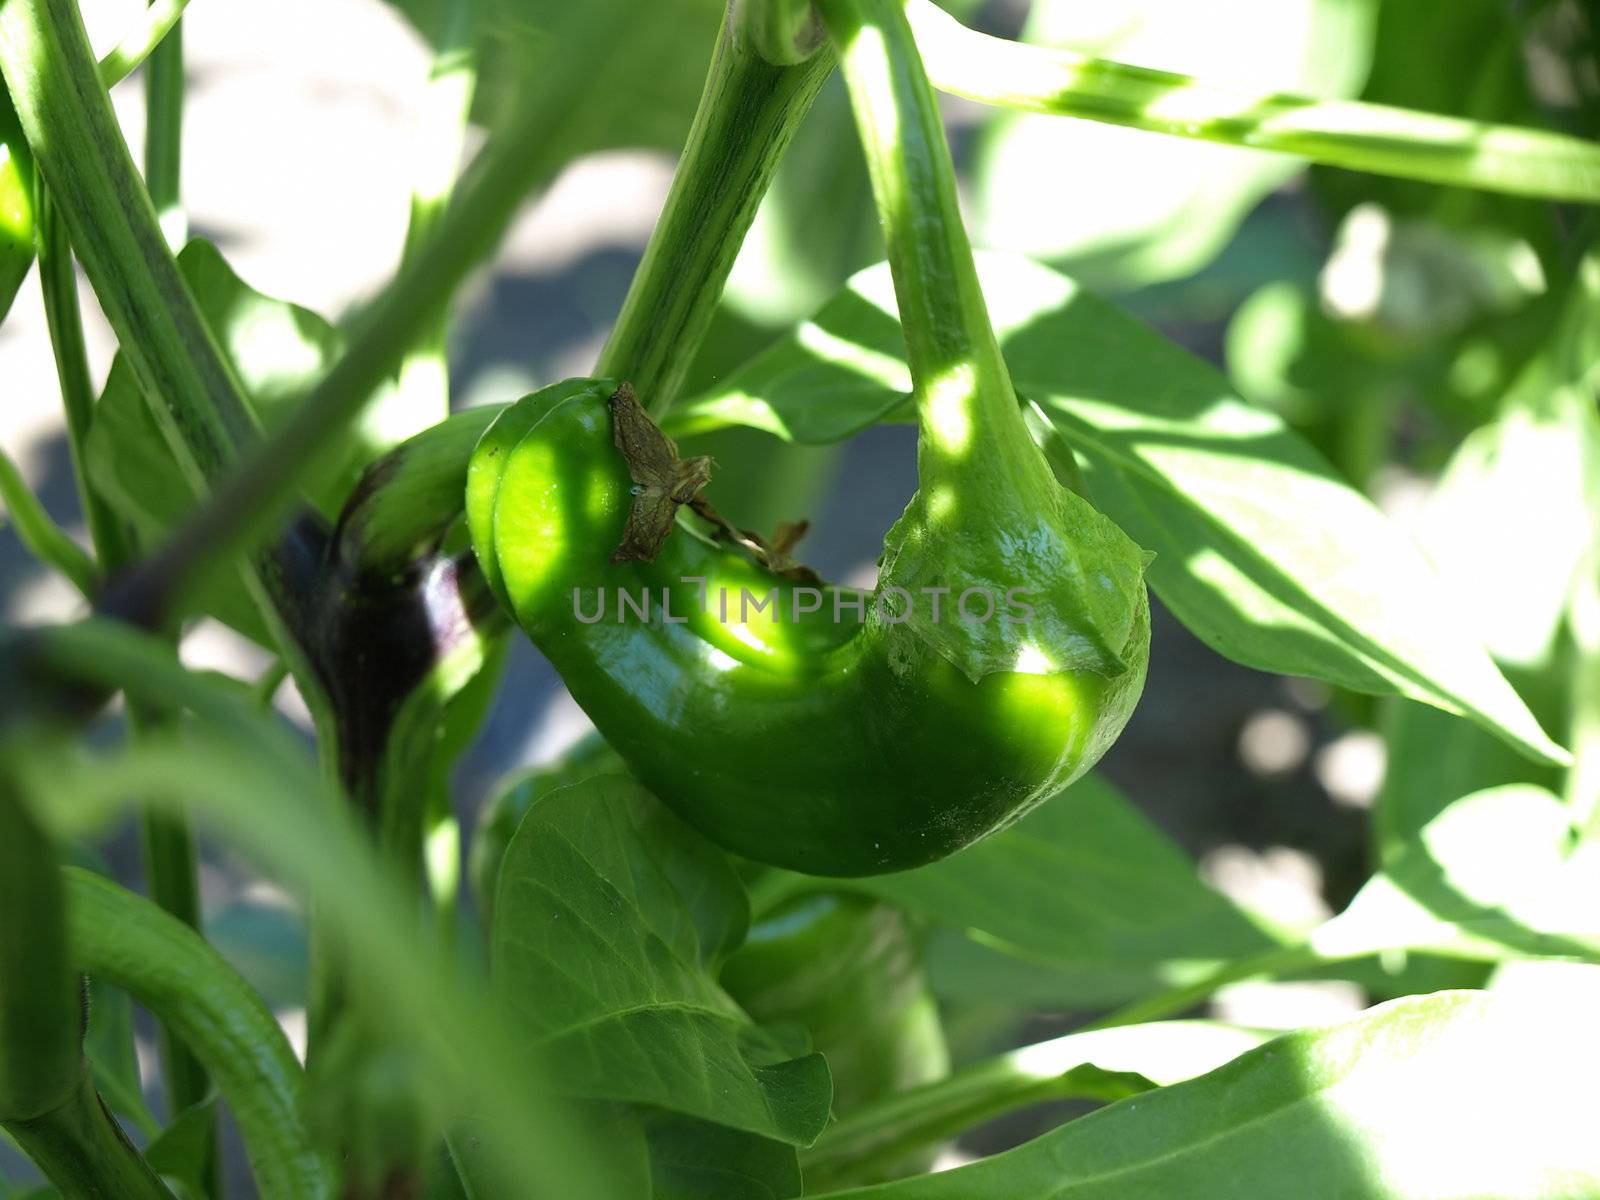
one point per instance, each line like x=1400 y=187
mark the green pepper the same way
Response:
x=16 y=203
x=848 y=969
x=1001 y=653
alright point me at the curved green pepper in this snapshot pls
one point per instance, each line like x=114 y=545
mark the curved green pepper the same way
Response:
x=1000 y=655
x=16 y=203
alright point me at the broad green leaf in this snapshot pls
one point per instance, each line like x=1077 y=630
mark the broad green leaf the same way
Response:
x=1139 y=207
x=1453 y=1096
x=611 y=918
x=696 y=1160
x=1260 y=549
x=1493 y=876
x=277 y=349
x=1094 y=900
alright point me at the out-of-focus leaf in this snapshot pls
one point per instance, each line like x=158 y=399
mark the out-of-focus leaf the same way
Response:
x=182 y=1153
x=1124 y=207
x=1418 y=1099
x=652 y=88
x=1493 y=876
x=1087 y=893
x=1260 y=549
x=611 y=919
x=277 y=349
x=1519 y=508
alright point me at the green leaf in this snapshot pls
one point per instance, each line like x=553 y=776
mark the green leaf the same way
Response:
x=183 y=1151
x=1453 y=1096
x=696 y=1160
x=652 y=85
x=1091 y=896
x=1432 y=759
x=611 y=919
x=1138 y=207
x=1260 y=549
x=1492 y=876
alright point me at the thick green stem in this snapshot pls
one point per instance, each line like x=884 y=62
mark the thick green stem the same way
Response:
x=171 y=864
x=781 y=31
x=748 y=113
x=81 y=1149
x=966 y=409
x=1340 y=133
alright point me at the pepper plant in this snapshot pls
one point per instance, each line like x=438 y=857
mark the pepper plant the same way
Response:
x=736 y=943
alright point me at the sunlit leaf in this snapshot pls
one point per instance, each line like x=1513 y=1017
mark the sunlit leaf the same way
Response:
x=1494 y=875
x=611 y=918
x=1419 y=1099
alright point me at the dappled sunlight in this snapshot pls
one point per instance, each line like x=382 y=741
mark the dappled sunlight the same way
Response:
x=949 y=399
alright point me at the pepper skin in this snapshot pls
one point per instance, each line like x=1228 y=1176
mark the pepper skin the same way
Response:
x=829 y=748
x=16 y=204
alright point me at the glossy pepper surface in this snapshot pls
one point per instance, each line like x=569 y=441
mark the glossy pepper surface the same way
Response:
x=798 y=728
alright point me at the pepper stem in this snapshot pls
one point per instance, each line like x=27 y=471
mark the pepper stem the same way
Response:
x=966 y=408
x=748 y=114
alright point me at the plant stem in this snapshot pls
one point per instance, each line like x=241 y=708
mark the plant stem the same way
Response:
x=748 y=114
x=1283 y=960
x=137 y=46
x=195 y=398
x=1340 y=133
x=58 y=287
x=170 y=859
x=163 y=135
x=966 y=410
x=784 y=32
x=42 y=537
x=81 y=1149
